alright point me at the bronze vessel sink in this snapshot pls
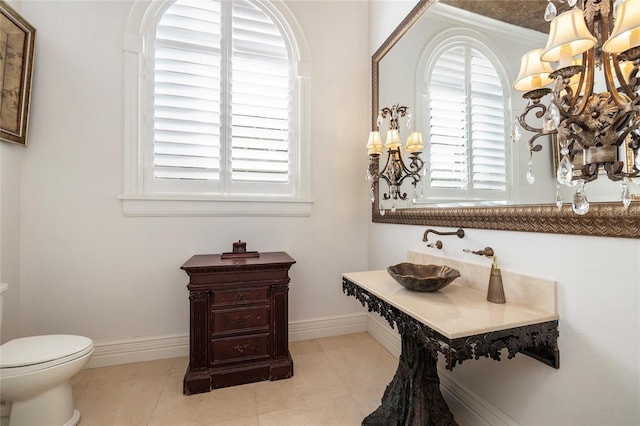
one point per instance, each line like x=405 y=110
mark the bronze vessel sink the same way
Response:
x=423 y=278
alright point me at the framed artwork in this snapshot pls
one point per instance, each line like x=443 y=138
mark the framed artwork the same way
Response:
x=17 y=39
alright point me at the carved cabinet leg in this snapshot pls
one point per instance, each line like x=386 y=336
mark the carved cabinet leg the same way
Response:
x=413 y=397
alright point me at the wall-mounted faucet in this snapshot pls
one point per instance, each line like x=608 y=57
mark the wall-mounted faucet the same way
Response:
x=459 y=233
x=495 y=291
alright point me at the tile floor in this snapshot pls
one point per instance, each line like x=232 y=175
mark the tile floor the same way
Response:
x=337 y=381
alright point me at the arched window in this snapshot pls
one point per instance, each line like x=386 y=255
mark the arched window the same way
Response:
x=220 y=106
x=465 y=101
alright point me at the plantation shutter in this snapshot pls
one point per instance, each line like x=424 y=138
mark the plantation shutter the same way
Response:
x=260 y=98
x=448 y=121
x=187 y=116
x=488 y=137
x=221 y=111
x=466 y=123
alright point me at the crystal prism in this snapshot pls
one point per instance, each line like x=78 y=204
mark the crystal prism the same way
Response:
x=558 y=197
x=393 y=207
x=368 y=175
x=408 y=121
x=637 y=162
x=372 y=197
x=379 y=120
x=530 y=177
x=626 y=195
x=554 y=115
x=565 y=171
x=515 y=132
x=382 y=211
x=548 y=126
x=550 y=12
x=580 y=202
x=572 y=3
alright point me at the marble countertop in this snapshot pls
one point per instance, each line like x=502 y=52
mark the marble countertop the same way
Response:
x=458 y=310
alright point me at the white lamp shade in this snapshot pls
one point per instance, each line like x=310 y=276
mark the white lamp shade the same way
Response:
x=393 y=139
x=414 y=142
x=568 y=37
x=534 y=74
x=626 y=30
x=374 y=144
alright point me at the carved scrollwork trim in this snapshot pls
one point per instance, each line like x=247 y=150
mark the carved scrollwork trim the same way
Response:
x=455 y=351
x=603 y=219
x=198 y=295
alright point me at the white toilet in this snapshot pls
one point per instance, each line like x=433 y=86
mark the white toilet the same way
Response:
x=35 y=373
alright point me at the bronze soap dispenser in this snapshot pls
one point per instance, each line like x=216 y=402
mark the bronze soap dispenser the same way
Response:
x=495 y=292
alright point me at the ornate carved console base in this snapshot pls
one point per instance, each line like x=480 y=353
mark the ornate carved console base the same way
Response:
x=413 y=397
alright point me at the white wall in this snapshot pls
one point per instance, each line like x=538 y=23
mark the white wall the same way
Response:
x=11 y=166
x=598 y=382
x=86 y=268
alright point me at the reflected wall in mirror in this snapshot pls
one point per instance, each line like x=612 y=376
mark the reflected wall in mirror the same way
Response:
x=524 y=208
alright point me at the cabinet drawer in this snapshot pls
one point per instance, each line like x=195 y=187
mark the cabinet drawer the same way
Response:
x=240 y=296
x=229 y=320
x=240 y=348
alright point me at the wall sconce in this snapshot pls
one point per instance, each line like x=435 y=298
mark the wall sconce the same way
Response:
x=598 y=125
x=395 y=170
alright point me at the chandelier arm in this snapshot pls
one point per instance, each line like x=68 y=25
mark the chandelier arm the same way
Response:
x=607 y=60
x=538 y=147
x=622 y=79
x=608 y=78
x=522 y=119
x=413 y=170
x=581 y=83
x=590 y=72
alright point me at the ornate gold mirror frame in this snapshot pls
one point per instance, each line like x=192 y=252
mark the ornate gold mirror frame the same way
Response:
x=603 y=219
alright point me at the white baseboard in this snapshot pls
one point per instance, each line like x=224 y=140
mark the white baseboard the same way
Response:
x=469 y=408
x=141 y=349
x=327 y=327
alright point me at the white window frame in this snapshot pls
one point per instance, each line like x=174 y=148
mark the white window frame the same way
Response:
x=138 y=197
x=431 y=52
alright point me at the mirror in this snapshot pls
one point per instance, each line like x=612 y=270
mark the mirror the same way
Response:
x=605 y=218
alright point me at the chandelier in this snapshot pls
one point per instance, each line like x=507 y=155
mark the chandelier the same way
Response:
x=600 y=126
x=395 y=170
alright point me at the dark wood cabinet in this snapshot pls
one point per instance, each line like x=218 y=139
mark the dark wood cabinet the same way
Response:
x=238 y=320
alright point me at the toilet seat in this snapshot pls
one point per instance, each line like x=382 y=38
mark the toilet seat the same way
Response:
x=27 y=354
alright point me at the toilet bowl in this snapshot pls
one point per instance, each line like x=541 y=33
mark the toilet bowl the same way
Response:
x=34 y=378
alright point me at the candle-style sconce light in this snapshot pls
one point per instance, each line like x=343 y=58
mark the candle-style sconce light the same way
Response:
x=396 y=169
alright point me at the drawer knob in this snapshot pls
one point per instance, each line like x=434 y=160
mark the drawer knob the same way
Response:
x=241 y=348
x=240 y=297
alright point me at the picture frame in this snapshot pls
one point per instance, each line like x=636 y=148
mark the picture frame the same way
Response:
x=17 y=43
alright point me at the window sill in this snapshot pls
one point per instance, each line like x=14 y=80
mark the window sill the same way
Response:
x=184 y=205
